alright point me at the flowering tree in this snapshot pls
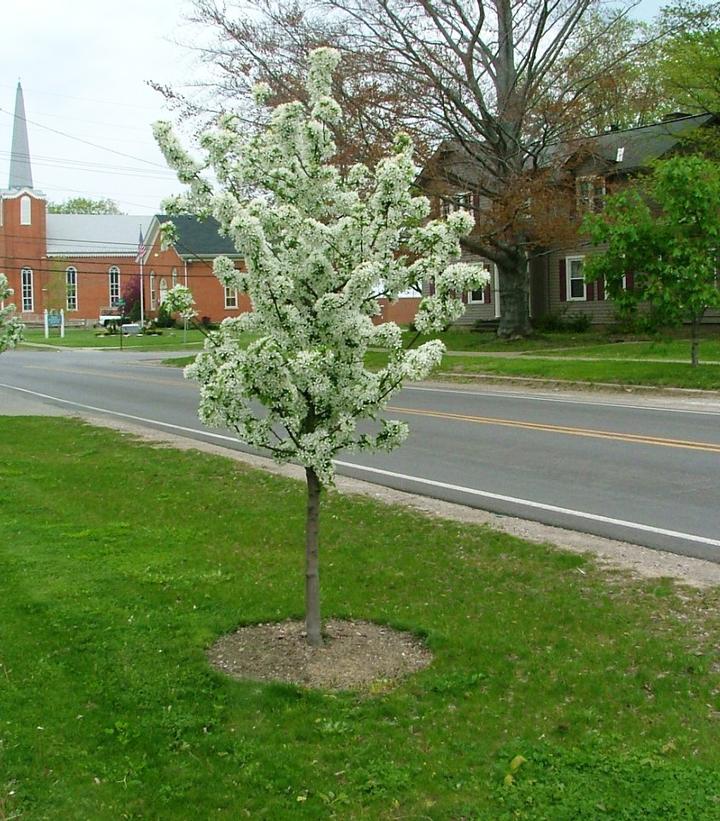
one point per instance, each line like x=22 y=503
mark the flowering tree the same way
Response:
x=10 y=326
x=320 y=249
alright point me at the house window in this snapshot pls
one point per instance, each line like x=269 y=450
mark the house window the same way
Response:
x=575 y=279
x=456 y=202
x=114 y=285
x=174 y=277
x=71 y=288
x=590 y=193
x=153 y=296
x=26 y=276
x=163 y=290
x=231 y=297
x=2 y=203
x=25 y=210
x=477 y=297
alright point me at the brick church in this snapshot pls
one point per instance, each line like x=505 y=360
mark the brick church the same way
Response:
x=82 y=263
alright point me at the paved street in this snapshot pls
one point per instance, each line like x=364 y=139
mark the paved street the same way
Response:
x=642 y=470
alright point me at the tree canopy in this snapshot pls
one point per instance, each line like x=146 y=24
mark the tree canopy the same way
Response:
x=663 y=236
x=84 y=205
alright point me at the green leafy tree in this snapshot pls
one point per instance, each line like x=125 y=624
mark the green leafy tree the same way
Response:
x=84 y=205
x=665 y=233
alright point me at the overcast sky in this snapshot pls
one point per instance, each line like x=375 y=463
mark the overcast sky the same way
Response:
x=84 y=65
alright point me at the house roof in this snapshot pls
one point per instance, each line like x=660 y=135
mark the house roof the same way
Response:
x=198 y=238
x=95 y=234
x=641 y=145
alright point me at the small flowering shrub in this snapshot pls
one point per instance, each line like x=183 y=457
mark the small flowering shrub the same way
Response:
x=11 y=328
x=320 y=248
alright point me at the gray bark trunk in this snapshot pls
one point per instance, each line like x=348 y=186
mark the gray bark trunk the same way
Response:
x=313 y=623
x=514 y=302
x=695 y=343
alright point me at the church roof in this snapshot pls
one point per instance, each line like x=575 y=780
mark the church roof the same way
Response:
x=20 y=170
x=95 y=234
x=199 y=238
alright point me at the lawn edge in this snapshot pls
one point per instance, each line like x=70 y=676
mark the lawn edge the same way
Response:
x=642 y=562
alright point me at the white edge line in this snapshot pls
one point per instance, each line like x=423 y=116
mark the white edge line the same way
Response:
x=534 y=398
x=538 y=505
x=392 y=474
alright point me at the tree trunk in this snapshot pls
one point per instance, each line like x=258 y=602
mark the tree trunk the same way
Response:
x=312 y=567
x=514 y=301
x=695 y=344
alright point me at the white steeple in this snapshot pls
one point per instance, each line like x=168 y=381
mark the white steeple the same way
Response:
x=20 y=170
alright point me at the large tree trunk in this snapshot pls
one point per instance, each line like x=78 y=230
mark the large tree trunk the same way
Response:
x=514 y=299
x=312 y=565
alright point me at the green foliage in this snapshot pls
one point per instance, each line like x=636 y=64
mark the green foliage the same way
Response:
x=562 y=322
x=164 y=318
x=84 y=205
x=665 y=232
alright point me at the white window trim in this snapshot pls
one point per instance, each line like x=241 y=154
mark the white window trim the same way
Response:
x=568 y=284
x=153 y=295
x=67 y=288
x=23 y=271
x=455 y=203
x=113 y=270
x=227 y=292
x=490 y=268
x=25 y=210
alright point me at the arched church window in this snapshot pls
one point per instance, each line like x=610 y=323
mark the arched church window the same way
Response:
x=25 y=210
x=114 y=284
x=26 y=278
x=71 y=288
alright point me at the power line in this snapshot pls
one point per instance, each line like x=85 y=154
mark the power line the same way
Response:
x=85 y=142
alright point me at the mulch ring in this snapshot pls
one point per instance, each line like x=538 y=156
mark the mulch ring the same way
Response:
x=356 y=655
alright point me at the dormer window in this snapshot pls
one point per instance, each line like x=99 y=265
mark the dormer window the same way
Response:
x=590 y=193
x=25 y=210
x=456 y=202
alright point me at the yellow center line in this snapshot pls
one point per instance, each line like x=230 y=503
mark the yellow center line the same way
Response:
x=568 y=431
x=107 y=375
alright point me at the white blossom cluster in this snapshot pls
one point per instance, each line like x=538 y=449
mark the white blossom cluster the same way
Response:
x=11 y=328
x=180 y=300
x=315 y=243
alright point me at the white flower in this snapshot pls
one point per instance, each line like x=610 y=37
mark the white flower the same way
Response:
x=314 y=246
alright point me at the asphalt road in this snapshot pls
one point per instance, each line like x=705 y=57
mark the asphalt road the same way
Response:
x=639 y=470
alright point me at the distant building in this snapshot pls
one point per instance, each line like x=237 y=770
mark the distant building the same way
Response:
x=83 y=262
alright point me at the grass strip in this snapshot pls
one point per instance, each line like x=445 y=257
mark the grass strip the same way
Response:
x=115 y=578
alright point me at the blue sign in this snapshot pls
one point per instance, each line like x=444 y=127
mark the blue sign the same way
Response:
x=54 y=320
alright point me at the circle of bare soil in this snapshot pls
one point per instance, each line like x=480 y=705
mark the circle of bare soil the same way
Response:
x=356 y=655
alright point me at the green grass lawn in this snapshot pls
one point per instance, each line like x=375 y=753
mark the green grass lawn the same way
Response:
x=114 y=580
x=661 y=349
x=488 y=341
x=657 y=374
x=95 y=338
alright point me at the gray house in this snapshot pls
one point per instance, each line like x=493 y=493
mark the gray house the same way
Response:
x=597 y=165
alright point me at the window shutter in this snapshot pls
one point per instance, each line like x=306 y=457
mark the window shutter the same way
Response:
x=600 y=285
x=563 y=280
x=630 y=281
x=431 y=287
x=589 y=291
x=488 y=293
x=464 y=297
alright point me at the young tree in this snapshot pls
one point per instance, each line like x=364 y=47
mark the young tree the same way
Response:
x=131 y=295
x=11 y=328
x=320 y=248
x=663 y=233
x=84 y=205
